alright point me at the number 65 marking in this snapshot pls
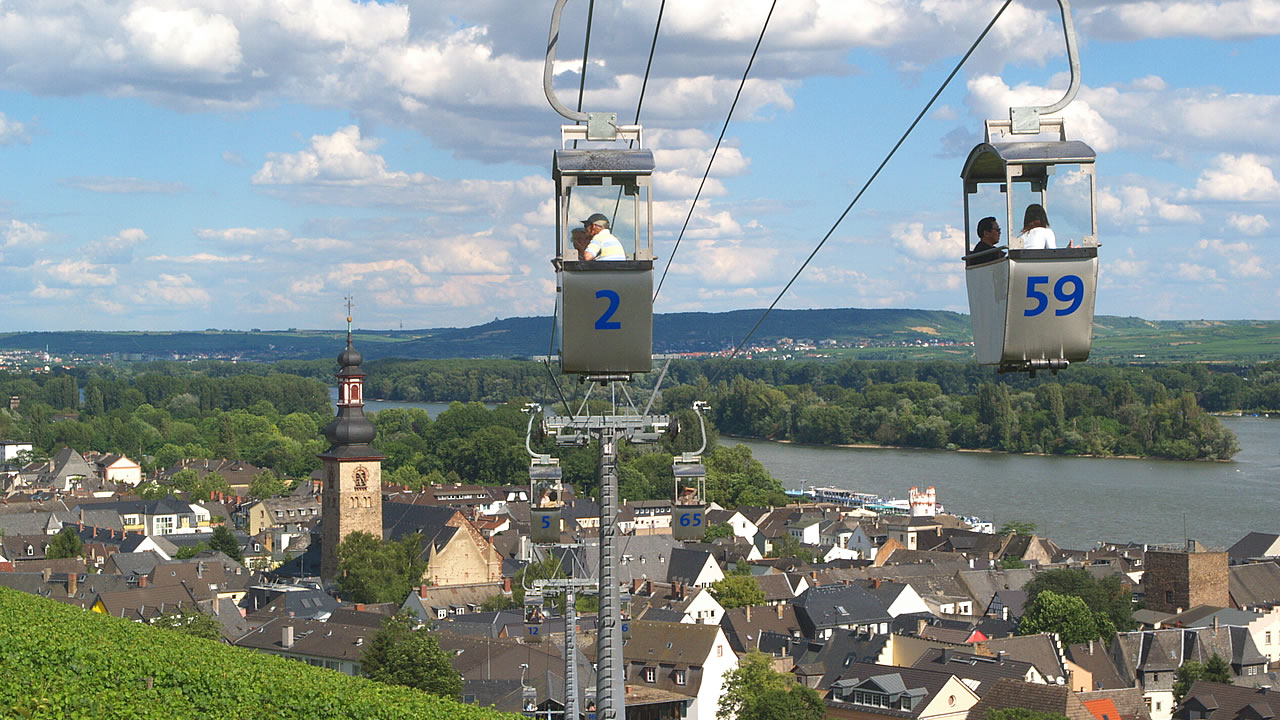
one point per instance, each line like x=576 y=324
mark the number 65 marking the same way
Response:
x=604 y=322
x=1073 y=298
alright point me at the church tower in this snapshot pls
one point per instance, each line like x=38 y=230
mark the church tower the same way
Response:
x=352 y=494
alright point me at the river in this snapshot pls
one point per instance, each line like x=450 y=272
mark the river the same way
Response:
x=1075 y=501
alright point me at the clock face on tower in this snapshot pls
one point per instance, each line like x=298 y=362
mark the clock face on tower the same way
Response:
x=362 y=478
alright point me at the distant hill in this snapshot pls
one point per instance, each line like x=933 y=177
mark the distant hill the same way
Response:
x=1115 y=337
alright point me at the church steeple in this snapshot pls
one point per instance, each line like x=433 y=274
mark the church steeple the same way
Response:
x=352 y=494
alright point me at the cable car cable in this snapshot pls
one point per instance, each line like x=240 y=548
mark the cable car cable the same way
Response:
x=723 y=130
x=586 y=47
x=644 y=84
x=866 y=185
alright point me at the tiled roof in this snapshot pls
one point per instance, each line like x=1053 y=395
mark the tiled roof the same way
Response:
x=1057 y=699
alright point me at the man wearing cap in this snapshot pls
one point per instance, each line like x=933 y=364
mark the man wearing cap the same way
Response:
x=604 y=245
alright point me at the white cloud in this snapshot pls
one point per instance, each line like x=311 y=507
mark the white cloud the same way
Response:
x=123 y=185
x=1177 y=213
x=256 y=237
x=21 y=234
x=78 y=273
x=1240 y=257
x=949 y=242
x=1198 y=273
x=203 y=258
x=168 y=289
x=1229 y=19
x=187 y=39
x=990 y=97
x=116 y=249
x=1248 y=224
x=12 y=131
x=1237 y=178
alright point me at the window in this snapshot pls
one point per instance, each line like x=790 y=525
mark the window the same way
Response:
x=680 y=677
x=1158 y=704
x=650 y=675
x=719 y=651
x=164 y=524
x=1268 y=638
x=1168 y=596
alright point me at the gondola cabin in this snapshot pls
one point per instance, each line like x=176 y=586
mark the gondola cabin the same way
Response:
x=546 y=500
x=1032 y=309
x=689 y=511
x=606 y=303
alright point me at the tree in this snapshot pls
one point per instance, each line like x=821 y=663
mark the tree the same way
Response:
x=1108 y=595
x=1066 y=615
x=224 y=541
x=498 y=602
x=190 y=622
x=152 y=491
x=66 y=544
x=1021 y=714
x=1215 y=670
x=1017 y=528
x=372 y=570
x=755 y=691
x=715 y=531
x=546 y=569
x=187 y=552
x=267 y=484
x=400 y=654
x=185 y=479
x=736 y=591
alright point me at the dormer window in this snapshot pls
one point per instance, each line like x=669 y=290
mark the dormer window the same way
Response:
x=650 y=675
x=681 y=678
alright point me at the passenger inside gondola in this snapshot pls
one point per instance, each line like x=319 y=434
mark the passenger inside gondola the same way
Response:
x=1036 y=234
x=985 y=249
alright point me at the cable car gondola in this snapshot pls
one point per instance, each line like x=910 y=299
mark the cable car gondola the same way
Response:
x=689 y=508
x=546 y=491
x=606 y=303
x=1032 y=309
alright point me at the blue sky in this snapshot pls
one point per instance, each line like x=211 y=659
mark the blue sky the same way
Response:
x=235 y=164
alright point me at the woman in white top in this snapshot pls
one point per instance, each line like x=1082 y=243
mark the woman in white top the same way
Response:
x=1036 y=234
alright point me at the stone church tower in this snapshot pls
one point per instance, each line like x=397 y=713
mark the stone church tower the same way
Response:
x=352 y=494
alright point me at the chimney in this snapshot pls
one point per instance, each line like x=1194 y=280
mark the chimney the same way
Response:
x=748 y=609
x=1215 y=624
x=286 y=637
x=422 y=589
x=1090 y=647
x=1000 y=655
x=648 y=587
x=47 y=573
x=360 y=606
x=73 y=581
x=921 y=624
x=781 y=608
x=506 y=585
x=635 y=585
x=142 y=581
x=875 y=583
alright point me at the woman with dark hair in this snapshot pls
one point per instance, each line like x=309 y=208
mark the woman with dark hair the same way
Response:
x=1036 y=234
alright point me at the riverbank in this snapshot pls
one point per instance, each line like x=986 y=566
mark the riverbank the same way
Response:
x=992 y=451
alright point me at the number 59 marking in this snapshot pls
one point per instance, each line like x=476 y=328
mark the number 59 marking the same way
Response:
x=604 y=322
x=1072 y=298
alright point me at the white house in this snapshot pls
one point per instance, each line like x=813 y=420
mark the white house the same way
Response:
x=688 y=660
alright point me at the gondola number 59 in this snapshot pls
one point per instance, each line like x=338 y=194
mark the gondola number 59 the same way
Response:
x=1072 y=297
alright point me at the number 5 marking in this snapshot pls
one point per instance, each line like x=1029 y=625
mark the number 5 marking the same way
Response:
x=604 y=322
x=1032 y=292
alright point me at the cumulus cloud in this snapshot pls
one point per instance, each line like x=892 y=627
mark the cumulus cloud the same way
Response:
x=948 y=242
x=77 y=273
x=1223 y=20
x=1240 y=257
x=20 y=234
x=1248 y=224
x=116 y=249
x=168 y=289
x=189 y=39
x=1237 y=178
x=203 y=258
x=1197 y=273
x=12 y=131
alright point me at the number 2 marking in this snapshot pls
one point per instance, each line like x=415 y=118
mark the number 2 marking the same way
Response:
x=604 y=322
x=1073 y=299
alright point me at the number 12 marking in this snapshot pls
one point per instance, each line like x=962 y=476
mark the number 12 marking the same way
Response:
x=1073 y=298
x=604 y=322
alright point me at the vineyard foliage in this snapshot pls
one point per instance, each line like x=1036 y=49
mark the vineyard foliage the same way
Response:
x=62 y=662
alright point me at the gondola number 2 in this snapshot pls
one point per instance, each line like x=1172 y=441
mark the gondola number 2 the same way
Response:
x=1072 y=297
x=605 y=321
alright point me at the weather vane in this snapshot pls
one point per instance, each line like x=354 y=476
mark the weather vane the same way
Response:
x=349 y=300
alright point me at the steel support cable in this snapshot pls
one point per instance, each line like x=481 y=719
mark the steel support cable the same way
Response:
x=643 y=86
x=719 y=140
x=866 y=185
